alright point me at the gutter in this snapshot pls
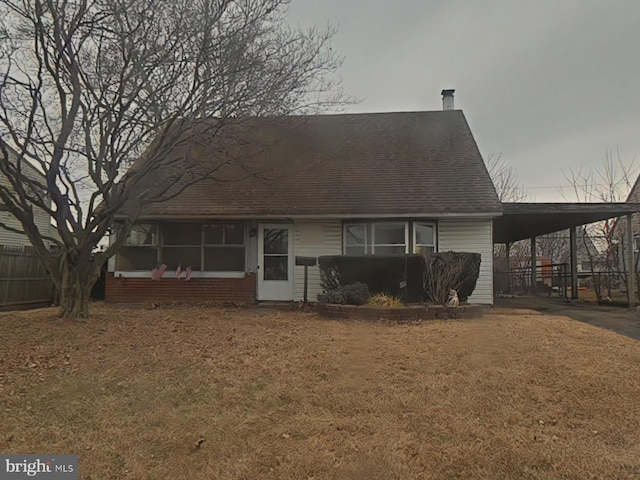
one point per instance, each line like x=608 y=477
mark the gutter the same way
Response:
x=177 y=216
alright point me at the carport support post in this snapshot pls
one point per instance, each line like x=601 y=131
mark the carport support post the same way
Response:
x=508 y=253
x=573 y=251
x=534 y=264
x=631 y=270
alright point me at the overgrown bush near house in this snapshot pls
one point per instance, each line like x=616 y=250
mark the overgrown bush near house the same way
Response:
x=353 y=294
x=396 y=275
x=448 y=271
x=382 y=300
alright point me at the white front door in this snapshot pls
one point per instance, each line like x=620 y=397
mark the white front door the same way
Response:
x=275 y=262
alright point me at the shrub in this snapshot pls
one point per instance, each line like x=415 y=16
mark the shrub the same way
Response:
x=354 y=294
x=448 y=271
x=412 y=278
x=382 y=300
x=395 y=275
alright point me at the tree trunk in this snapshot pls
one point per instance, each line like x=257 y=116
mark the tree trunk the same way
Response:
x=78 y=278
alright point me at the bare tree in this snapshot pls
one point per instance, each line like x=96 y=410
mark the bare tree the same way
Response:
x=610 y=182
x=509 y=189
x=88 y=86
x=505 y=180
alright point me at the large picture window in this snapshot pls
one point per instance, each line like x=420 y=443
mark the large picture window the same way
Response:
x=388 y=237
x=209 y=248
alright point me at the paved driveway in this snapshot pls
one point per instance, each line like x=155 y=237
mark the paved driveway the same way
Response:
x=621 y=320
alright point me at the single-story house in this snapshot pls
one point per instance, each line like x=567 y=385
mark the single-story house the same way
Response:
x=369 y=183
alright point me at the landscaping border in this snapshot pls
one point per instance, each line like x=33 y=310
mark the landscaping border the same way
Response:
x=400 y=314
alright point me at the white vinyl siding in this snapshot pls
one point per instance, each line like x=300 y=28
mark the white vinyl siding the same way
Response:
x=11 y=238
x=314 y=239
x=474 y=236
x=42 y=219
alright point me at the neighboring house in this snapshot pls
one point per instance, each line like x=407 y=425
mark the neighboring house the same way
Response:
x=24 y=282
x=619 y=232
x=42 y=218
x=371 y=183
x=620 y=226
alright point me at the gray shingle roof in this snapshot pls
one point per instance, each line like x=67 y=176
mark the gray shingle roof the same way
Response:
x=413 y=163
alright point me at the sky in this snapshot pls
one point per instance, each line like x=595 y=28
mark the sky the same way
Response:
x=550 y=85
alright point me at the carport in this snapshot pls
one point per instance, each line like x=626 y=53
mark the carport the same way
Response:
x=521 y=221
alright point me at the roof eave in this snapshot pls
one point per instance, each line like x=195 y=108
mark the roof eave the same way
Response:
x=333 y=216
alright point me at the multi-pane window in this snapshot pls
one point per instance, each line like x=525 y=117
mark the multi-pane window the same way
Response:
x=224 y=247
x=388 y=237
x=143 y=234
x=140 y=250
x=210 y=248
x=181 y=245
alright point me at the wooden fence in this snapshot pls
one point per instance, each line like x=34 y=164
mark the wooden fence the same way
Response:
x=23 y=279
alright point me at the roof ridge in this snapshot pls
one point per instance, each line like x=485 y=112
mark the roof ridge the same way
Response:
x=357 y=114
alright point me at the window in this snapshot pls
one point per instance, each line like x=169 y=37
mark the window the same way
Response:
x=355 y=239
x=143 y=234
x=275 y=253
x=140 y=250
x=210 y=248
x=182 y=246
x=388 y=238
x=136 y=258
x=424 y=237
x=224 y=248
x=377 y=238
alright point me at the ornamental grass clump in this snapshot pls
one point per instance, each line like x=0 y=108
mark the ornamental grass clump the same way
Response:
x=383 y=300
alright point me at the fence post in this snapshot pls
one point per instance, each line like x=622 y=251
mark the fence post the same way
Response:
x=508 y=254
x=534 y=264
x=631 y=276
x=7 y=278
x=573 y=252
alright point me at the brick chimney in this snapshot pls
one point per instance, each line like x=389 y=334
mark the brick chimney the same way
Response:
x=447 y=99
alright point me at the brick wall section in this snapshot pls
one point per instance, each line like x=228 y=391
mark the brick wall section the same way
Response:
x=128 y=290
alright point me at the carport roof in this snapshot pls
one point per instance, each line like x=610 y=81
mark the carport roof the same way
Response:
x=525 y=220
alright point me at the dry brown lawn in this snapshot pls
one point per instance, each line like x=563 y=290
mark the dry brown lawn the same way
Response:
x=287 y=395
